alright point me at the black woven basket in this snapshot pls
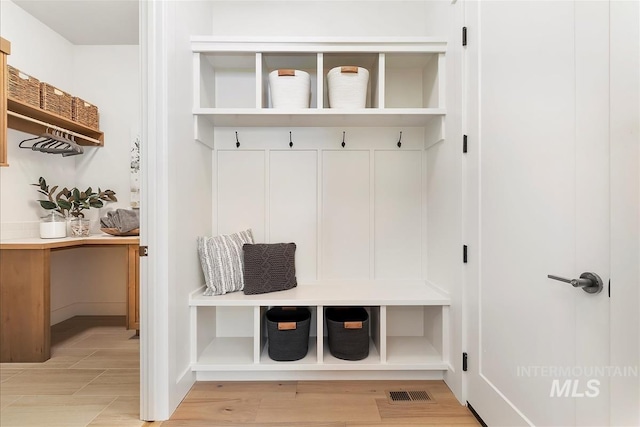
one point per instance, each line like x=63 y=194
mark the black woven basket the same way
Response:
x=288 y=333
x=348 y=332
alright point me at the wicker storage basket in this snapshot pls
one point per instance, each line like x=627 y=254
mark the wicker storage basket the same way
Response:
x=347 y=87
x=348 y=332
x=85 y=113
x=288 y=332
x=23 y=87
x=55 y=101
x=290 y=89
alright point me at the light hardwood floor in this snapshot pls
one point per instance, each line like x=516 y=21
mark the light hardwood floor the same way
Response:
x=316 y=404
x=92 y=379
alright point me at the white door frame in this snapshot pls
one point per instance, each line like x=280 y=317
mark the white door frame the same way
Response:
x=471 y=225
x=154 y=286
x=624 y=118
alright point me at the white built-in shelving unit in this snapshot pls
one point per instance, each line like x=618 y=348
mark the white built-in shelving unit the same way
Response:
x=397 y=340
x=357 y=213
x=406 y=87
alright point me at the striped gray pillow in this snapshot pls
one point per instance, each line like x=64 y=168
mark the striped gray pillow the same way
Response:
x=222 y=262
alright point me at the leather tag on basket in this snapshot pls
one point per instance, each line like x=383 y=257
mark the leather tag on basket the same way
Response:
x=286 y=72
x=287 y=326
x=353 y=325
x=349 y=69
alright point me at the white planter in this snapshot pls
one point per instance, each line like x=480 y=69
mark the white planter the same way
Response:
x=290 y=89
x=347 y=87
x=53 y=226
x=53 y=230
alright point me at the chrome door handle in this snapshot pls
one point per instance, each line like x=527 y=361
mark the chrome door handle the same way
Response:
x=589 y=282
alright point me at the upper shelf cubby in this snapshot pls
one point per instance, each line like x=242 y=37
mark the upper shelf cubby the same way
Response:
x=412 y=80
x=307 y=62
x=366 y=60
x=231 y=81
x=226 y=80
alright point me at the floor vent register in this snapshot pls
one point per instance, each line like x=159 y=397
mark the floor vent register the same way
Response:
x=409 y=396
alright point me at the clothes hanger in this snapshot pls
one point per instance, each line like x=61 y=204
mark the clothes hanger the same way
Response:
x=54 y=141
x=75 y=149
x=27 y=140
x=43 y=143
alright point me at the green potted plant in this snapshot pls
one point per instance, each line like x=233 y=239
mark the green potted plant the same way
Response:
x=71 y=203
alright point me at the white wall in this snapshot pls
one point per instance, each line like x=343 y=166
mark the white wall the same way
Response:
x=38 y=51
x=333 y=18
x=107 y=76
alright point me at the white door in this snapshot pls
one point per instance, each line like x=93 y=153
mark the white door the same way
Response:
x=540 y=184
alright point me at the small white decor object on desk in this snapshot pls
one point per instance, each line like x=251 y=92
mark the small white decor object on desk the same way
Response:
x=290 y=88
x=347 y=86
x=53 y=226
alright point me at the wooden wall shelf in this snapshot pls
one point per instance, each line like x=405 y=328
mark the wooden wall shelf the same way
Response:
x=47 y=118
x=5 y=50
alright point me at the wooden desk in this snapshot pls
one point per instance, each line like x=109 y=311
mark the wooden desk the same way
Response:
x=25 y=305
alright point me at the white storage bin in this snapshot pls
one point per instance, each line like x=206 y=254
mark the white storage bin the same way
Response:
x=347 y=87
x=290 y=88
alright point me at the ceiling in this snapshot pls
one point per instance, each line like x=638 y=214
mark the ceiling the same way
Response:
x=88 y=22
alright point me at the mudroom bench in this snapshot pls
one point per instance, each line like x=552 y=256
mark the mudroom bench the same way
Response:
x=408 y=336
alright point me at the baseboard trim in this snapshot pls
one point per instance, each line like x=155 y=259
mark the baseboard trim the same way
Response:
x=316 y=375
x=83 y=320
x=476 y=415
x=88 y=309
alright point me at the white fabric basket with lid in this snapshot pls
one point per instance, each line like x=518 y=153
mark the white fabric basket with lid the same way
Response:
x=290 y=88
x=347 y=87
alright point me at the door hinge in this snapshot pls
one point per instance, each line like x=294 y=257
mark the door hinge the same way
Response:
x=464 y=254
x=464 y=362
x=464 y=143
x=143 y=250
x=464 y=36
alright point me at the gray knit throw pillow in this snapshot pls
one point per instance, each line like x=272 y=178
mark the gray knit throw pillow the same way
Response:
x=269 y=267
x=221 y=259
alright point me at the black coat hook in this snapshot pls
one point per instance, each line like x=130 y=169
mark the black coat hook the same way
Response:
x=400 y=140
x=290 y=141
x=237 y=142
x=343 y=144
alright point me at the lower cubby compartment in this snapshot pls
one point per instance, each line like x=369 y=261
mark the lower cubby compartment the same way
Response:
x=414 y=335
x=228 y=351
x=232 y=337
x=223 y=336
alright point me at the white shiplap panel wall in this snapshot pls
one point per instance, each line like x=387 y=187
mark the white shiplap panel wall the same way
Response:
x=241 y=192
x=398 y=214
x=345 y=215
x=293 y=206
